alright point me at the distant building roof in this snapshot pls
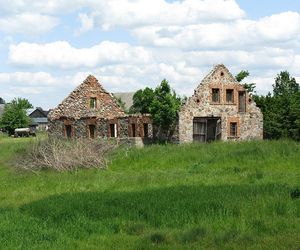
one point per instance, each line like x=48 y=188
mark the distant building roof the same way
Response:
x=38 y=113
x=126 y=97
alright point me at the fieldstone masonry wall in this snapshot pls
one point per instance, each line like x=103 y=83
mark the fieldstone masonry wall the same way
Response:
x=249 y=123
x=76 y=111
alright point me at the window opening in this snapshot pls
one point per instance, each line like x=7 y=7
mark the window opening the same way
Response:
x=233 y=129
x=146 y=132
x=92 y=129
x=216 y=95
x=133 y=129
x=113 y=130
x=93 y=102
x=229 y=96
x=68 y=129
x=242 y=101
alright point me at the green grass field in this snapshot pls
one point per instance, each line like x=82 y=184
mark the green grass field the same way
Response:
x=214 y=196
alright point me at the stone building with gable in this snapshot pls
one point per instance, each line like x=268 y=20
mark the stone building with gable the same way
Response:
x=91 y=112
x=220 y=109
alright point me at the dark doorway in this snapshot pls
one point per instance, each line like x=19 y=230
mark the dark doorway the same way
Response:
x=133 y=130
x=146 y=133
x=112 y=128
x=242 y=101
x=206 y=129
x=68 y=129
x=92 y=129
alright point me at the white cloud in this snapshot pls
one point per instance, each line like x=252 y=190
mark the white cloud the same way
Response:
x=130 y=14
x=87 y=23
x=28 y=79
x=46 y=7
x=277 y=29
x=280 y=27
x=62 y=55
x=133 y=12
x=27 y=23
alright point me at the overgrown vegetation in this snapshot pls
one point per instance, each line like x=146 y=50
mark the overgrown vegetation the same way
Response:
x=65 y=155
x=281 y=109
x=163 y=105
x=213 y=196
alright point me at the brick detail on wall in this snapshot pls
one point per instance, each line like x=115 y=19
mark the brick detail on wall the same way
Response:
x=250 y=122
x=75 y=110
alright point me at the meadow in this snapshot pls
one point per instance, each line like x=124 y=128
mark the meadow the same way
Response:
x=242 y=195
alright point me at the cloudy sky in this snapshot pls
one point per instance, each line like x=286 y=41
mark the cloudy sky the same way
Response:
x=49 y=47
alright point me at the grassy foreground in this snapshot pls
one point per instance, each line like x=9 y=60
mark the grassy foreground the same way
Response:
x=215 y=196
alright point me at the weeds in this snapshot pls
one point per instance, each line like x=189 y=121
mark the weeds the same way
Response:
x=62 y=155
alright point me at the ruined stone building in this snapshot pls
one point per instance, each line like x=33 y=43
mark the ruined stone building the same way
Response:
x=91 y=112
x=220 y=109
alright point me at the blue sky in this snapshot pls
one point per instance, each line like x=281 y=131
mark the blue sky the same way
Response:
x=49 y=47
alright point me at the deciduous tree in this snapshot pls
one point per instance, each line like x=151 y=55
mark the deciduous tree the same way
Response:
x=14 y=115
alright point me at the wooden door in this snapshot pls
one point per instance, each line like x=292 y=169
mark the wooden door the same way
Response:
x=218 y=130
x=199 y=130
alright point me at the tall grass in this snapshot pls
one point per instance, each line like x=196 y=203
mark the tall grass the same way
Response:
x=213 y=196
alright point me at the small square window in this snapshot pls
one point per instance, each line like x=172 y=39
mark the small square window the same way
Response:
x=229 y=96
x=216 y=95
x=93 y=102
x=233 y=129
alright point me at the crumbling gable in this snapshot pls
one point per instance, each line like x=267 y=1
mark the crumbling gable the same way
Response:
x=89 y=99
x=220 y=109
x=90 y=111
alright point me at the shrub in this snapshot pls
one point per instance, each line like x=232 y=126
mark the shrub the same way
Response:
x=158 y=238
x=295 y=193
x=193 y=235
x=64 y=155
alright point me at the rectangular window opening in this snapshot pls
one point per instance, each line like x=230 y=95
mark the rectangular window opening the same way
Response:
x=146 y=128
x=229 y=96
x=68 y=131
x=233 y=129
x=216 y=95
x=133 y=133
x=92 y=129
x=113 y=130
x=93 y=102
x=242 y=101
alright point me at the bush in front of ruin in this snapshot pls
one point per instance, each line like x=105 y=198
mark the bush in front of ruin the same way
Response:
x=63 y=155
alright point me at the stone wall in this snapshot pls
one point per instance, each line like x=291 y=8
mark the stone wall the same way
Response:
x=77 y=104
x=250 y=123
x=76 y=111
x=56 y=129
x=80 y=127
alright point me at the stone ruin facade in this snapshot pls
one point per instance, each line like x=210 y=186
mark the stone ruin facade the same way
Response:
x=220 y=109
x=91 y=112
